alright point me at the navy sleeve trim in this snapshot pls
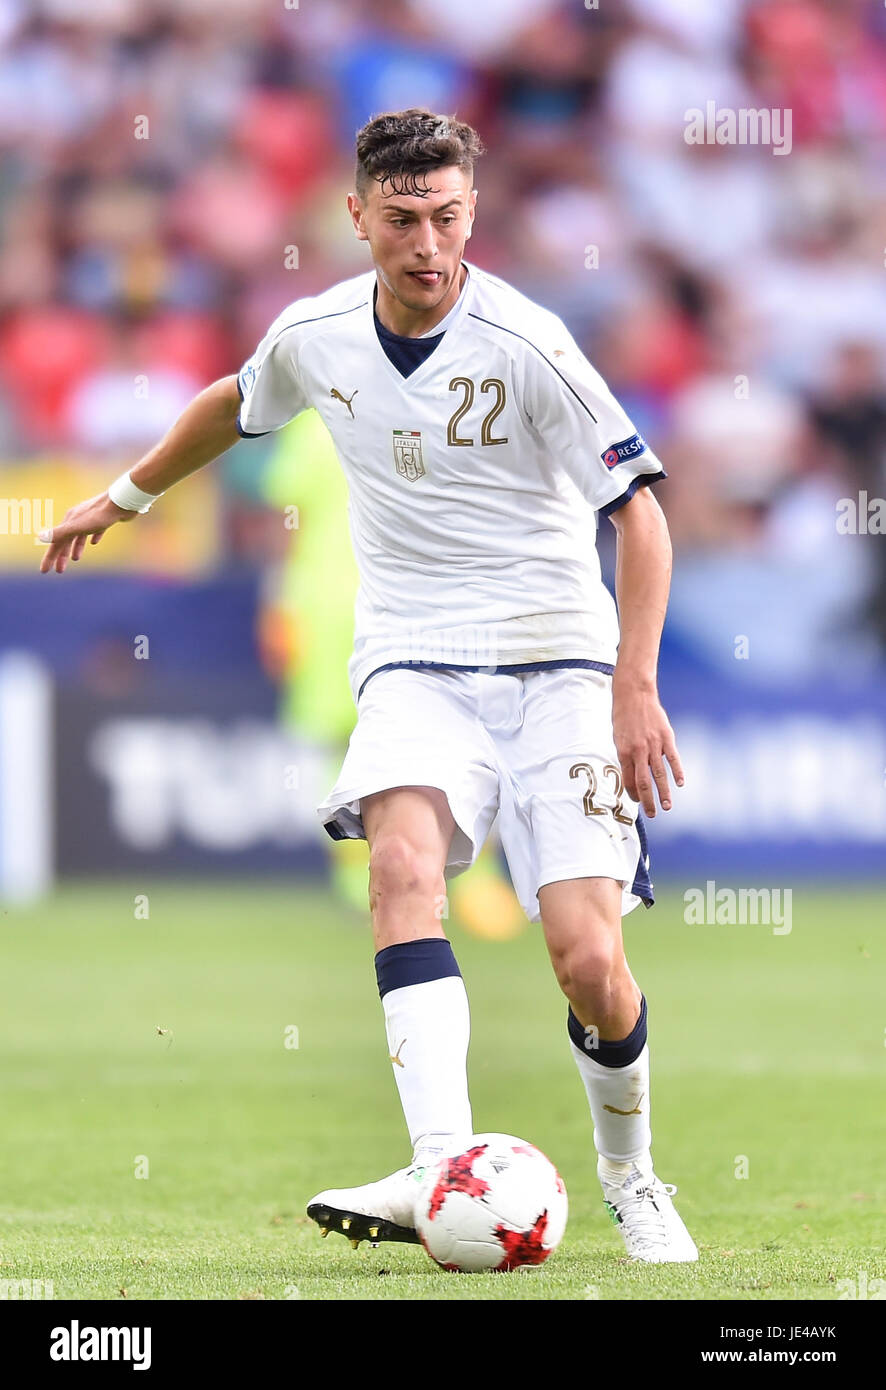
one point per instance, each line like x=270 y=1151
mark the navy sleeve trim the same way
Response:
x=515 y=334
x=249 y=434
x=642 y=480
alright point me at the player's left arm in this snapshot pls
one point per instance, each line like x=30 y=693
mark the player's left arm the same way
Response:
x=644 y=739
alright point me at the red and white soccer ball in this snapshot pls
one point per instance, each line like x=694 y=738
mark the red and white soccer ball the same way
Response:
x=497 y=1204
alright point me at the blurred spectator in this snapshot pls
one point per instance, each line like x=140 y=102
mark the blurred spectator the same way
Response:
x=44 y=353
x=121 y=406
x=850 y=413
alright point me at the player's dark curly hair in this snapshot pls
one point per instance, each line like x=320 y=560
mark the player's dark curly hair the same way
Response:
x=400 y=148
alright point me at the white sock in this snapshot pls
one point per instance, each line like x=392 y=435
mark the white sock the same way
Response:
x=622 y=1135
x=428 y=1028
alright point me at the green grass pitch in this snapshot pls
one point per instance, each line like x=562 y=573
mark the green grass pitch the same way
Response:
x=767 y=1054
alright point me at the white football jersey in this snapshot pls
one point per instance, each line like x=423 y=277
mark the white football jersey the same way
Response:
x=474 y=482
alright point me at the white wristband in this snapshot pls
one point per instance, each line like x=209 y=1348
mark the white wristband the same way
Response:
x=124 y=493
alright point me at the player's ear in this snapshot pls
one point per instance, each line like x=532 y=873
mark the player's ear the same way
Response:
x=355 y=208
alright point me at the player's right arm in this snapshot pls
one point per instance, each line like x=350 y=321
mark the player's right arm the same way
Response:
x=206 y=428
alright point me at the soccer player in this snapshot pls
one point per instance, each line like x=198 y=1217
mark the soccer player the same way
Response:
x=488 y=668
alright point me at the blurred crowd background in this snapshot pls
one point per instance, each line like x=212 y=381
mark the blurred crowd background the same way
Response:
x=171 y=175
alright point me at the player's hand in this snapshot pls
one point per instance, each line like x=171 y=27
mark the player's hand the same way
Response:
x=645 y=743
x=88 y=520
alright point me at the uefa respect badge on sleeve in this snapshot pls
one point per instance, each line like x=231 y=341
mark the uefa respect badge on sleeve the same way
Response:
x=623 y=451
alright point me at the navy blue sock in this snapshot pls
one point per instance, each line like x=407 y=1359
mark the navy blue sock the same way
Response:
x=414 y=963
x=612 y=1054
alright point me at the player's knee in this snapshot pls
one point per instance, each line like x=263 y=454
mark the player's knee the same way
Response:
x=591 y=973
x=398 y=869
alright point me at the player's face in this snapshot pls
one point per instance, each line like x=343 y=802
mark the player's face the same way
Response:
x=417 y=241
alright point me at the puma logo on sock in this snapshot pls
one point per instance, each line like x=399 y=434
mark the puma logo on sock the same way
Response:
x=613 y=1109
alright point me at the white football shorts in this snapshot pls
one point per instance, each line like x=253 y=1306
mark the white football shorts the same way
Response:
x=534 y=748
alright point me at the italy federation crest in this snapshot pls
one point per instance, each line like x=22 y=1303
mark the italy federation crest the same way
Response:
x=407 y=454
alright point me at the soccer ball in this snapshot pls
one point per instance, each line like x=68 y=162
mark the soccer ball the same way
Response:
x=497 y=1204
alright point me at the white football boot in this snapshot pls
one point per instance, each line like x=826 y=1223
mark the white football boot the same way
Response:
x=640 y=1207
x=383 y=1210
